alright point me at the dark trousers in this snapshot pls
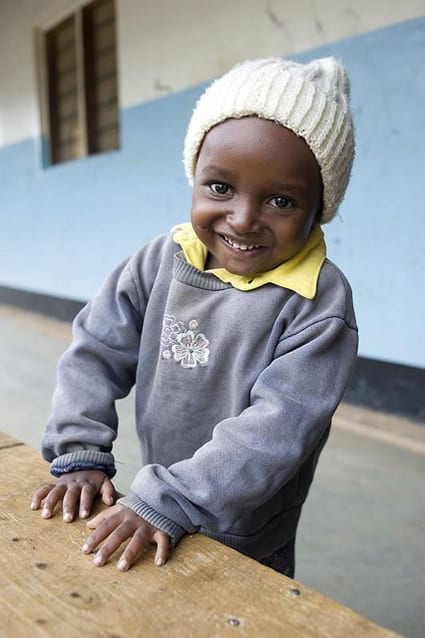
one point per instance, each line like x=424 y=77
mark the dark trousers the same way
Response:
x=282 y=560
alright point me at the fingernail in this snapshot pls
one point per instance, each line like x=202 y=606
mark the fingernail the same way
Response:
x=67 y=517
x=84 y=514
x=85 y=548
x=159 y=562
x=33 y=506
x=97 y=560
x=122 y=565
x=45 y=512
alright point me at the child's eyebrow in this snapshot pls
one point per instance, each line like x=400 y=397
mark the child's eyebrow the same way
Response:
x=294 y=187
x=213 y=168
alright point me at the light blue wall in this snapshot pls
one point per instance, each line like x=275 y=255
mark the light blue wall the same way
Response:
x=64 y=228
x=379 y=241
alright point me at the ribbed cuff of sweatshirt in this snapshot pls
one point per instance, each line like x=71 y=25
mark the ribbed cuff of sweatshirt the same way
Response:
x=174 y=531
x=83 y=460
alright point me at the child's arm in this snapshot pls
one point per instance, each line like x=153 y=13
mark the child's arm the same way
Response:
x=100 y=365
x=97 y=369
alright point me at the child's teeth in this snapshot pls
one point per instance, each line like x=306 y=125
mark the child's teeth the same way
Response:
x=234 y=244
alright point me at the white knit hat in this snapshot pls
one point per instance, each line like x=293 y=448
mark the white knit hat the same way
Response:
x=312 y=100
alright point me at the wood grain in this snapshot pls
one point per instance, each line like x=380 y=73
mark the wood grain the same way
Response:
x=49 y=588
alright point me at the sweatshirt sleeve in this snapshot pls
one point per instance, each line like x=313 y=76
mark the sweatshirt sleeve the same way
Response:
x=252 y=456
x=99 y=368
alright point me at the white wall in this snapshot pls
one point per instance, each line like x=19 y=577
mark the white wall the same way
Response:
x=168 y=45
x=200 y=39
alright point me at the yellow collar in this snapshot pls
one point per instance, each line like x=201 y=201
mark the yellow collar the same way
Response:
x=299 y=273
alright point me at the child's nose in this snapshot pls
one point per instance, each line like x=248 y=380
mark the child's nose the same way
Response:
x=244 y=216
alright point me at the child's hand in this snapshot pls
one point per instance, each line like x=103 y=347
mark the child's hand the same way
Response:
x=77 y=490
x=116 y=525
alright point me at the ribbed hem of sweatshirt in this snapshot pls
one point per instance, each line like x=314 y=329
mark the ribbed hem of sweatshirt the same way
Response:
x=84 y=460
x=145 y=511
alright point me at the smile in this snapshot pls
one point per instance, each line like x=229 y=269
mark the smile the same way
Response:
x=238 y=246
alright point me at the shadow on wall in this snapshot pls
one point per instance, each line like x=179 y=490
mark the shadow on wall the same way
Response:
x=388 y=387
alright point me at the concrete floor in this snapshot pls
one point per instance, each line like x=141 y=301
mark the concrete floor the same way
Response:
x=361 y=536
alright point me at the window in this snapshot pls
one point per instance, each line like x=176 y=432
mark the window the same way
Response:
x=81 y=83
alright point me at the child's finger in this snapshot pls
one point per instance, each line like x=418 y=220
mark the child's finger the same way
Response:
x=87 y=498
x=138 y=542
x=107 y=549
x=163 y=548
x=52 y=499
x=70 y=503
x=107 y=492
x=104 y=526
x=102 y=516
x=40 y=494
x=112 y=532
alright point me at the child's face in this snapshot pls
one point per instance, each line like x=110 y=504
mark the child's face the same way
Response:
x=257 y=193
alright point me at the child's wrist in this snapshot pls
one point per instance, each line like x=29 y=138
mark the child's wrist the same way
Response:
x=83 y=460
x=161 y=522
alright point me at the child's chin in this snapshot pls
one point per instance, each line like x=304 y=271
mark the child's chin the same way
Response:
x=243 y=273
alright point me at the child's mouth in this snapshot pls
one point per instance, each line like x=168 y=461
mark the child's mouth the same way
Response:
x=238 y=246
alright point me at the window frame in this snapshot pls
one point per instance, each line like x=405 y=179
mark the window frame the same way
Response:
x=87 y=126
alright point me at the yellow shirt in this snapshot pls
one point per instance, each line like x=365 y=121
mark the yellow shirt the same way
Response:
x=299 y=273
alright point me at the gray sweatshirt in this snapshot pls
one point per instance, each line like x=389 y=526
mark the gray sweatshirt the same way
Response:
x=235 y=392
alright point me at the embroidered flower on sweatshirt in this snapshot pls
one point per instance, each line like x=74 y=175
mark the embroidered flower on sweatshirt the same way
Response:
x=187 y=347
x=191 y=349
x=170 y=329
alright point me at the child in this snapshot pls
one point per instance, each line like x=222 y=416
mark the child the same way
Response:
x=237 y=332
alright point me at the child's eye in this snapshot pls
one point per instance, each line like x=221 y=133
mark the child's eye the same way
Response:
x=281 y=202
x=219 y=188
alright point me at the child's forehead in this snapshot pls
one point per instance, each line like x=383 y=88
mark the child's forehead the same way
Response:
x=247 y=124
x=251 y=130
x=257 y=156
x=263 y=140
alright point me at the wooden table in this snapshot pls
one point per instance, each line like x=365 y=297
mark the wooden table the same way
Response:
x=49 y=588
